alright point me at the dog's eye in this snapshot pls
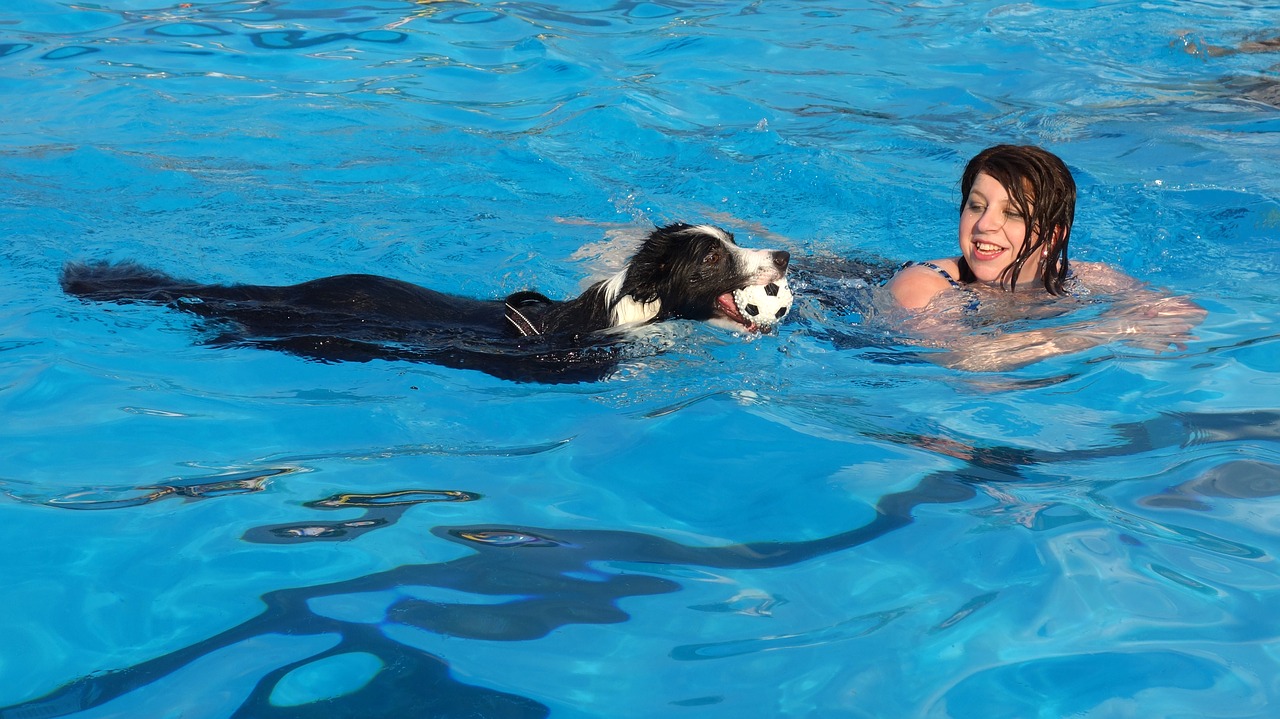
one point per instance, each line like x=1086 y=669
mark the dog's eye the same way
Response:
x=712 y=258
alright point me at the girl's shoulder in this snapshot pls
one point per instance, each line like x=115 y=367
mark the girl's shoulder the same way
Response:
x=1103 y=277
x=917 y=283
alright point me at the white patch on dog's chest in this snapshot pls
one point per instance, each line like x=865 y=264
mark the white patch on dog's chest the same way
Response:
x=626 y=309
x=629 y=311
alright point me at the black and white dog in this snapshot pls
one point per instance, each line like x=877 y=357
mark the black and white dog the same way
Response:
x=681 y=271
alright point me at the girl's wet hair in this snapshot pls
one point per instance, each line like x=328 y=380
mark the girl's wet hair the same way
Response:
x=1040 y=187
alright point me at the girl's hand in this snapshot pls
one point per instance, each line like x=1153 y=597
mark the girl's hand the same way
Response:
x=1157 y=324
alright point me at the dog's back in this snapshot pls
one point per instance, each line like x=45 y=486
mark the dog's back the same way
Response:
x=367 y=300
x=359 y=318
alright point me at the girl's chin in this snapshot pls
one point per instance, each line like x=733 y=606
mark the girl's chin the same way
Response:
x=990 y=274
x=987 y=273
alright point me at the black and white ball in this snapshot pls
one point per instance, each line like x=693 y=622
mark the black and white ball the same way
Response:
x=764 y=305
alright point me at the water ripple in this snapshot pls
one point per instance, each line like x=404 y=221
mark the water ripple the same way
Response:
x=415 y=450
x=1238 y=479
x=849 y=629
x=189 y=488
x=1104 y=682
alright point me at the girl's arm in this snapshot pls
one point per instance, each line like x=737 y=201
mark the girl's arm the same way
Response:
x=1145 y=318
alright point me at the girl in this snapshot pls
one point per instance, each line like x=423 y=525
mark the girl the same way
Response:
x=1016 y=213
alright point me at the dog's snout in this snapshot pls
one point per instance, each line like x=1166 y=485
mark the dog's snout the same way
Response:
x=781 y=258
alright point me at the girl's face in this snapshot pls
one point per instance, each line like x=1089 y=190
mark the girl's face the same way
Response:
x=993 y=231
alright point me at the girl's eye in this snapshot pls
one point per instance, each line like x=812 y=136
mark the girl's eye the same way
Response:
x=1013 y=214
x=975 y=207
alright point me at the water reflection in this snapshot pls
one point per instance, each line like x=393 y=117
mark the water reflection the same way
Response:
x=574 y=577
x=190 y=488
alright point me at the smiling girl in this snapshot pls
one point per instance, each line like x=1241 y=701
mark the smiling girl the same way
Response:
x=1017 y=207
x=1016 y=213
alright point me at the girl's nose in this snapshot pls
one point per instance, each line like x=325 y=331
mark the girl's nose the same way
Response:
x=990 y=221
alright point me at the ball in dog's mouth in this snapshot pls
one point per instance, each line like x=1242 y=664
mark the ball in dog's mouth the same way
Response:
x=758 y=308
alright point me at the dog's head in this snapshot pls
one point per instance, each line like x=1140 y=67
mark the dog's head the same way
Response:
x=694 y=272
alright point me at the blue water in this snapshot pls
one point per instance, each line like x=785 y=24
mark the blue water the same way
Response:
x=779 y=527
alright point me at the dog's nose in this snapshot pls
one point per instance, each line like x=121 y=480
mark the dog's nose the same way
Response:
x=781 y=258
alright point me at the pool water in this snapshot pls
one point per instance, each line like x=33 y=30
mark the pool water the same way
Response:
x=815 y=523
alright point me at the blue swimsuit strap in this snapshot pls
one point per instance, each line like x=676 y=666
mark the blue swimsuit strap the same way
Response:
x=945 y=275
x=1071 y=284
x=972 y=306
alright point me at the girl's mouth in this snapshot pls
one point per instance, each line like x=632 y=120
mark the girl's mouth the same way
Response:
x=986 y=251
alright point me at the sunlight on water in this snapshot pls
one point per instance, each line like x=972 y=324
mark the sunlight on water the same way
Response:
x=823 y=521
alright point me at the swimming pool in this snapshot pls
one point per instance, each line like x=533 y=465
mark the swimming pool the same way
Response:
x=767 y=528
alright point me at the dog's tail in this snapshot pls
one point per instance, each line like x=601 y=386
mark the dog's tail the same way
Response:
x=119 y=282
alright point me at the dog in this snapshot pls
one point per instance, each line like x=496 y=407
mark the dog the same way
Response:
x=680 y=271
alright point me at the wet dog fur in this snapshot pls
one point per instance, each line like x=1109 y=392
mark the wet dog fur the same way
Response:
x=680 y=271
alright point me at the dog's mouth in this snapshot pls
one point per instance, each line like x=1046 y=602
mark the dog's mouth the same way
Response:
x=756 y=308
x=729 y=307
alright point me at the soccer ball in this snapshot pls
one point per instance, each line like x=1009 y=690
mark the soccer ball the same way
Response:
x=764 y=305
